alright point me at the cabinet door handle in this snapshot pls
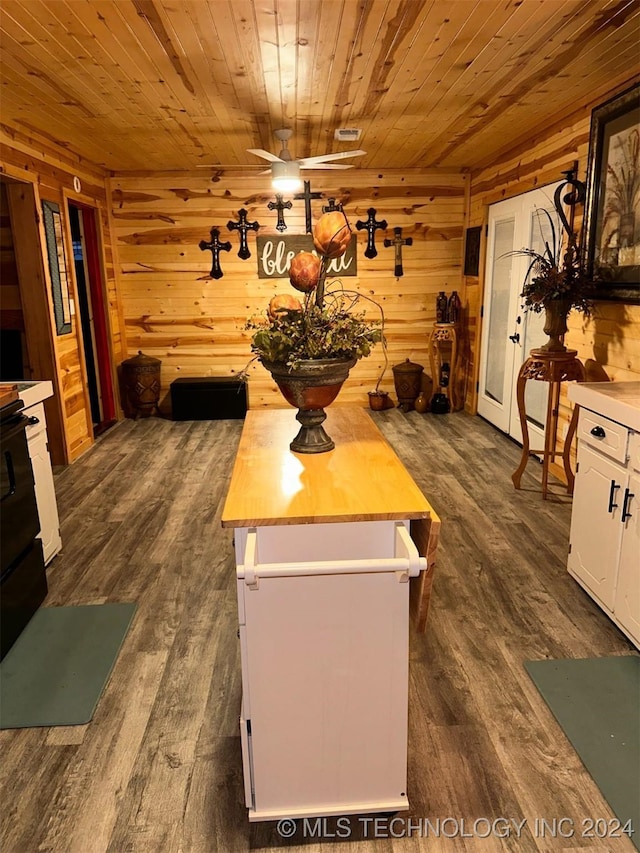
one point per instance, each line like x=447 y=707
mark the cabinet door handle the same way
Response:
x=32 y=420
x=598 y=432
x=612 y=494
x=627 y=500
x=515 y=338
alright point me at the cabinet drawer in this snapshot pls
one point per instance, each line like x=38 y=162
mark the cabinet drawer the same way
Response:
x=602 y=434
x=634 y=450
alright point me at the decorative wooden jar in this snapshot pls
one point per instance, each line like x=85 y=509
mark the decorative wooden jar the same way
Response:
x=407 y=378
x=141 y=380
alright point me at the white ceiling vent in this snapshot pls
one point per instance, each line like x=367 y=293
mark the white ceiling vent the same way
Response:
x=347 y=134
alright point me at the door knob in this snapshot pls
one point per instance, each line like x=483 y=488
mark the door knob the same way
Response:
x=598 y=432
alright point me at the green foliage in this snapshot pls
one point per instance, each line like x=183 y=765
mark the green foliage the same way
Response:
x=332 y=331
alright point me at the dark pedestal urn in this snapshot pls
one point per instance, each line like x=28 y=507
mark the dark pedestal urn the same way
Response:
x=310 y=387
x=555 y=324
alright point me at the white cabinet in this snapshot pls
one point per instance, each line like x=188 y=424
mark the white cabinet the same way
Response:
x=325 y=667
x=43 y=477
x=33 y=395
x=604 y=554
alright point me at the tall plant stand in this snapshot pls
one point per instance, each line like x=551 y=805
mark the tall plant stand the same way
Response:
x=554 y=368
x=443 y=346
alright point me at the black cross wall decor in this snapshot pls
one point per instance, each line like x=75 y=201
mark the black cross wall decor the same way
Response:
x=280 y=206
x=333 y=205
x=398 y=243
x=307 y=195
x=372 y=226
x=216 y=247
x=243 y=226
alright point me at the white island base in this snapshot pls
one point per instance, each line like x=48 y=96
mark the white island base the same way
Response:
x=323 y=604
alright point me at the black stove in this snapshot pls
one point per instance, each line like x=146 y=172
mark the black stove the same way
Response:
x=23 y=581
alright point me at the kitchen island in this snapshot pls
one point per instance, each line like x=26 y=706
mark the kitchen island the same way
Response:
x=325 y=548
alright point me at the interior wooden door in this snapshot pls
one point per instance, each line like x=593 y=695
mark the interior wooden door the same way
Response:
x=93 y=315
x=509 y=333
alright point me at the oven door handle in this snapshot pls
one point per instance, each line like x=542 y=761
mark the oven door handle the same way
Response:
x=12 y=475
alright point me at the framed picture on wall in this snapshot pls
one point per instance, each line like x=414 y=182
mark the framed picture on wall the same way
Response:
x=612 y=210
x=57 y=266
x=472 y=250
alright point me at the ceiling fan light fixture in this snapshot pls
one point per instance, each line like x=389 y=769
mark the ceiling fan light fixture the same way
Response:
x=285 y=176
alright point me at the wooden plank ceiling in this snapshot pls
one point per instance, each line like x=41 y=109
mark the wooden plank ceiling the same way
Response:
x=161 y=85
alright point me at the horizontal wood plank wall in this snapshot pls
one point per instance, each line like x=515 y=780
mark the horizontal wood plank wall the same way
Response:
x=54 y=170
x=175 y=312
x=612 y=336
x=10 y=303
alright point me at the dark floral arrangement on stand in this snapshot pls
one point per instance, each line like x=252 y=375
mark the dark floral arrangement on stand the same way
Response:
x=556 y=281
x=556 y=273
x=326 y=325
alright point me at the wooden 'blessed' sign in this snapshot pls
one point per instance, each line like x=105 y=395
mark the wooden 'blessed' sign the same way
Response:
x=275 y=254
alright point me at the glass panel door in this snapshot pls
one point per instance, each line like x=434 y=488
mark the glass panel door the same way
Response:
x=533 y=336
x=509 y=333
x=494 y=402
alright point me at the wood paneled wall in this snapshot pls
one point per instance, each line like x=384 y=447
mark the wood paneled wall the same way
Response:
x=612 y=336
x=163 y=302
x=11 y=316
x=51 y=170
x=175 y=312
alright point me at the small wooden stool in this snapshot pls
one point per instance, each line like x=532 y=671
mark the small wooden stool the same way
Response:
x=554 y=368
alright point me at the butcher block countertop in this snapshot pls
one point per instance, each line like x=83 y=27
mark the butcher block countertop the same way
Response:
x=8 y=393
x=362 y=479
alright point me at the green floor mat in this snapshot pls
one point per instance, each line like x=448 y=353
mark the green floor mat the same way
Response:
x=58 y=667
x=597 y=703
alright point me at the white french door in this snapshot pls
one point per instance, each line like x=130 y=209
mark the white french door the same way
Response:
x=508 y=332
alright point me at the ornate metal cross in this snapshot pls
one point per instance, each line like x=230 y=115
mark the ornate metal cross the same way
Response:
x=216 y=247
x=398 y=242
x=243 y=226
x=307 y=195
x=372 y=226
x=329 y=208
x=280 y=206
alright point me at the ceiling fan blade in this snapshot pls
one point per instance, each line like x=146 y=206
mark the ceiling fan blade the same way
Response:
x=323 y=158
x=324 y=166
x=260 y=152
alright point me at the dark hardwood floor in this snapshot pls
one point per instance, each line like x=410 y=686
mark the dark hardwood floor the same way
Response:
x=159 y=770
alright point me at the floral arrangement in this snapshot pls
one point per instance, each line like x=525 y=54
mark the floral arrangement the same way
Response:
x=556 y=274
x=326 y=323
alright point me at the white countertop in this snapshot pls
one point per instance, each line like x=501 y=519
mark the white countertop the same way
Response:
x=619 y=401
x=34 y=392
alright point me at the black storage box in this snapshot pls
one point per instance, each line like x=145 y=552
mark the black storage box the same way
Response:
x=208 y=398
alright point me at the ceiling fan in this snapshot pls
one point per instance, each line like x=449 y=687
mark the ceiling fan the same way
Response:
x=285 y=171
